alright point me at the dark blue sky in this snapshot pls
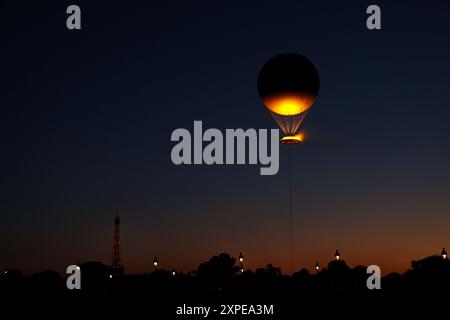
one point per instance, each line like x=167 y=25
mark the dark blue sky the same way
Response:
x=86 y=118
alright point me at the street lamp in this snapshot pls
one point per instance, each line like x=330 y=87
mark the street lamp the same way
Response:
x=337 y=255
x=241 y=262
x=317 y=267
x=155 y=263
x=174 y=273
x=444 y=254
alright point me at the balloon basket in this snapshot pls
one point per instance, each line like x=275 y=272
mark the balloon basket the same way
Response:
x=291 y=139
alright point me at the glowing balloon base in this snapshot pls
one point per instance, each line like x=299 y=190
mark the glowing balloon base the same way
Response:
x=292 y=139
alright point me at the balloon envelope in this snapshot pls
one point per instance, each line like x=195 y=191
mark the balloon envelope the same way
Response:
x=288 y=85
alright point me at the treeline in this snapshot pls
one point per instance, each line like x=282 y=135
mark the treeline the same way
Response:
x=222 y=277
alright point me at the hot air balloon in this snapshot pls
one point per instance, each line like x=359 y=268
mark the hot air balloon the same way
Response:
x=288 y=85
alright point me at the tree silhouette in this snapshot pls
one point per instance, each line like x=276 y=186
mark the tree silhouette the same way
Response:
x=94 y=277
x=218 y=271
x=220 y=277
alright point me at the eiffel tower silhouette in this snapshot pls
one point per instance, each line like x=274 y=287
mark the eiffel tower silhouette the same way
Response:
x=117 y=267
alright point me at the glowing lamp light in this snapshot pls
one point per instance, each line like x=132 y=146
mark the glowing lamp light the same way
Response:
x=337 y=255
x=317 y=266
x=110 y=276
x=241 y=258
x=155 y=262
x=174 y=273
x=444 y=254
x=242 y=270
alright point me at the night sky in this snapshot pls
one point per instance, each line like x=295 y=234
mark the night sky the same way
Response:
x=86 y=119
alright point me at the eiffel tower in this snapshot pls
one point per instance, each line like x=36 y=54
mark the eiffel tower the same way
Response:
x=116 y=267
